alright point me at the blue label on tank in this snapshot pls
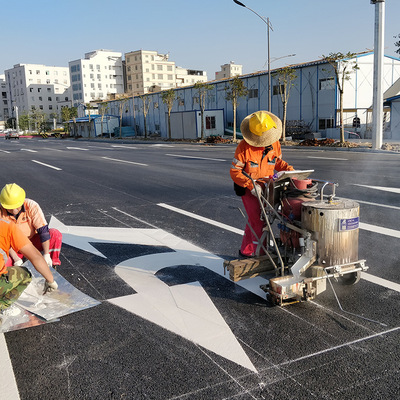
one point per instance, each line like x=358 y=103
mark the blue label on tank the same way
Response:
x=349 y=224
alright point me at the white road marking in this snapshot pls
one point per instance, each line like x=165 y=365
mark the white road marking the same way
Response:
x=376 y=204
x=369 y=227
x=4 y=151
x=199 y=158
x=184 y=309
x=203 y=219
x=329 y=158
x=123 y=161
x=124 y=147
x=47 y=165
x=76 y=148
x=8 y=384
x=383 y=188
x=32 y=151
x=380 y=281
x=380 y=229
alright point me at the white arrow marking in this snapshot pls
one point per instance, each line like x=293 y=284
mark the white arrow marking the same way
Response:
x=185 y=309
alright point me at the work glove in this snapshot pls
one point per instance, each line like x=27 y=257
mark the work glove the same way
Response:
x=48 y=260
x=276 y=176
x=257 y=190
x=50 y=287
x=18 y=263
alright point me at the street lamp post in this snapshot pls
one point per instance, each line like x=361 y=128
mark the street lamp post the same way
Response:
x=377 y=106
x=266 y=21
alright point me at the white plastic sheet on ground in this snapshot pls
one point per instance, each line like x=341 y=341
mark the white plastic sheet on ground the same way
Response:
x=37 y=309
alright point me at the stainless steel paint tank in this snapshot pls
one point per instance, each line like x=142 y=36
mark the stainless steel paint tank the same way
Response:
x=334 y=226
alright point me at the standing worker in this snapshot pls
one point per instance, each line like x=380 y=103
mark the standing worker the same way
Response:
x=28 y=215
x=259 y=155
x=15 y=279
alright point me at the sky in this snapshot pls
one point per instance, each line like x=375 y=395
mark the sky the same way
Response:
x=200 y=35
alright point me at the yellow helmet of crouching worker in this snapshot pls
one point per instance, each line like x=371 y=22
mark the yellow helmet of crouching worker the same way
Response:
x=12 y=196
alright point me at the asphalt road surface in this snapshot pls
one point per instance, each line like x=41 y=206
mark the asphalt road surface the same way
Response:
x=148 y=227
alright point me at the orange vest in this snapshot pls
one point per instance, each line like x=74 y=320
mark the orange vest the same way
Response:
x=10 y=236
x=255 y=163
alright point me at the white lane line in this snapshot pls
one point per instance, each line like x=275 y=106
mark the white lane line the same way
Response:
x=32 y=151
x=329 y=158
x=47 y=165
x=372 y=228
x=203 y=219
x=8 y=385
x=4 y=151
x=76 y=148
x=383 y=188
x=380 y=281
x=380 y=229
x=123 y=161
x=376 y=204
x=199 y=158
x=51 y=149
x=124 y=147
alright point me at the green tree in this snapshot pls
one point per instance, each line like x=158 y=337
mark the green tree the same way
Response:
x=24 y=122
x=343 y=65
x=235 y=89
x=168 y=97
x=203 y=90
x=285 y=77
x=68 y=113
x=146 y=100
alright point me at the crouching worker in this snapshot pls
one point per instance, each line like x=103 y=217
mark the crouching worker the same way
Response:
x=15 y=279
x=28 y=215
x=259 y=156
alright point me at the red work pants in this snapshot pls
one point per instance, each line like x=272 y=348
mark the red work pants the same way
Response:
x=252 y=207
x=54 y=246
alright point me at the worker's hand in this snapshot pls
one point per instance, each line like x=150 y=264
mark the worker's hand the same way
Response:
x=48 y=260
x=50 y=287
x=276 y=176
x=18 y=263
x=256 y=191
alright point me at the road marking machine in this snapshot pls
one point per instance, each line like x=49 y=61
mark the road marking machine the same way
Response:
x=308 y=238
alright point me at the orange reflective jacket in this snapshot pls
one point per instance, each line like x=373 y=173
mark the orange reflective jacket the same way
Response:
x=256 y=163
x=10 y=236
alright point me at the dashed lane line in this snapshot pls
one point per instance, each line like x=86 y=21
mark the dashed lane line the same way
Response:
x=198 y=158
x=47 y=165
x=124 y=161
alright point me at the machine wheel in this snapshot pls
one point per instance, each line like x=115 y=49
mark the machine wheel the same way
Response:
x=350 y=279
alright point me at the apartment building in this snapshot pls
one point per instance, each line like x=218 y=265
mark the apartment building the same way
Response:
x=229 y=71
x=36 y=86
x=98 y=76
x=148 y=71
x=4 y=102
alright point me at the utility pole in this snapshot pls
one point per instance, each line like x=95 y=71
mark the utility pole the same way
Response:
x=377 y=106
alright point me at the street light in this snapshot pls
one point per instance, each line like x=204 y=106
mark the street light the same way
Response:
x=266 y=21
x=377 y=104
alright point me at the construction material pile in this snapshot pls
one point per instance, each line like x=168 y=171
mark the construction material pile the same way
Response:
x=217 y=139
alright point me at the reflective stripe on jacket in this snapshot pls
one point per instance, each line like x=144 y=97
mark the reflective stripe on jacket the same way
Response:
x=255 y=163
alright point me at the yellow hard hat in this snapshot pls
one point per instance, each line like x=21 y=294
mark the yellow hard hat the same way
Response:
x=12 y=196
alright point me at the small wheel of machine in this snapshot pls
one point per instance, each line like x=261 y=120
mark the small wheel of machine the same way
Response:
x=350 y=279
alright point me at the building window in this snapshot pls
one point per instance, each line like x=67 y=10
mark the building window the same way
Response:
x=159 y=67
x=49 y=98
x=50 y=107
x=40 y=98
x=327 y=84
x=169 y=67
x=278 y=89
x=170 y=77
x=160 y=76
x=253 y=93
x=325 y=123
x=40 y=107
x=210 y=122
